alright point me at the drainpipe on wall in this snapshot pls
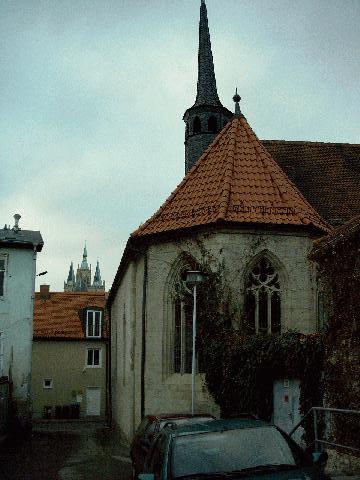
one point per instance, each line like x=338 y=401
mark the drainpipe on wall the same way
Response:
x=108 y=374
x=143 y=335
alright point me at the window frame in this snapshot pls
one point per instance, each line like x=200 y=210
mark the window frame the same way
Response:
x=45 y=387
x=93 y=365
x=93 y=311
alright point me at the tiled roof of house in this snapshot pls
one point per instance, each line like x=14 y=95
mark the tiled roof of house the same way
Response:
x=235 y=181
x=327 y=174
x=336 y=237
x=60 y=315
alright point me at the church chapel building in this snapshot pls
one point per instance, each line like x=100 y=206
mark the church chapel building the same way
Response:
x=255 y=207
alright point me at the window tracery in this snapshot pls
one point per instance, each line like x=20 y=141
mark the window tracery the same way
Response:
x=263 y=299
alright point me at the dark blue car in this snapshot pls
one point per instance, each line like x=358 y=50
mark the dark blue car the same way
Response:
x=236 y=448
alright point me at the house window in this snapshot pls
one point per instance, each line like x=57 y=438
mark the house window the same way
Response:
x=212 y=124
x=196 y=125
x=2 y=274
x=263 y=299
x=93 y=357
x=1 y=353
x=48 y=383
x=93 y=324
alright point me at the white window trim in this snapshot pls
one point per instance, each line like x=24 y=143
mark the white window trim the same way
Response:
x=4 y=257
x=100 y=357
x=51 y=383
x=87 y=323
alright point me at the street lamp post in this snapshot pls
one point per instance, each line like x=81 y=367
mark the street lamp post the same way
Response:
x=193 y=278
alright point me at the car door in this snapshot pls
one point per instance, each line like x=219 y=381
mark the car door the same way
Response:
x=156 y=461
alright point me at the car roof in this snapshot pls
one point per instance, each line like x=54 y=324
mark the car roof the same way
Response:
x=217 y=426
x=166 y=416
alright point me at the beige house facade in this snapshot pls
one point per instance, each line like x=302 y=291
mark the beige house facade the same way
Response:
x=70 y=355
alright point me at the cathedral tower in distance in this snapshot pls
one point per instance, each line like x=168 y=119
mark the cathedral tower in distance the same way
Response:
x=207 y=116
x=82 y=281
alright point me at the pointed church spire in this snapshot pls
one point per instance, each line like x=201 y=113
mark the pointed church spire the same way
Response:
x=206 y=85
x=84 y=263
x=97 y=276
x=71 y=276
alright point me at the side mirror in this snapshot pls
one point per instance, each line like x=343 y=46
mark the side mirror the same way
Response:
x=319 y=458
x=146 y=476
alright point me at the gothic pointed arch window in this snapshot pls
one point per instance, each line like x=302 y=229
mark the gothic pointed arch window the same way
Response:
x=182 y=321
x=196 y=125
x=263 y=298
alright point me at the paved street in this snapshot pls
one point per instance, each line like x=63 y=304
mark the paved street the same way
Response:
x=66 y=451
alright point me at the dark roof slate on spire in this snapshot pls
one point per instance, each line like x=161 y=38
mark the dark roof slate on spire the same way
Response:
x=206 y=85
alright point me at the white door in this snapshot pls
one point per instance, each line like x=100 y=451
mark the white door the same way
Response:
x=286 y=406
x=93 y=401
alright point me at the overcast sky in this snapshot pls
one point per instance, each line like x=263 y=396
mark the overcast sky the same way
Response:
x=92 y=94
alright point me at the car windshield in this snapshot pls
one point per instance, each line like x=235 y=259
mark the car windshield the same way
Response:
x=185 y=420
x=231 y=450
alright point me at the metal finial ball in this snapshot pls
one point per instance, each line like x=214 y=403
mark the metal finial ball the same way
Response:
x=236 y=97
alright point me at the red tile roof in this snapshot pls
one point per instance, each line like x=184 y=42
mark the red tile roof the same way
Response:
x=60 y=315
x=336 y=237
x=327 y=174
x=237 y=181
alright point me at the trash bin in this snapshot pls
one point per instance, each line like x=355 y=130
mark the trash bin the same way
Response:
x=66 y=411
x=75 y=411
x=47 y=411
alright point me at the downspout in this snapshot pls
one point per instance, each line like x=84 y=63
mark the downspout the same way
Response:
x=143 y=335
x=108 y=376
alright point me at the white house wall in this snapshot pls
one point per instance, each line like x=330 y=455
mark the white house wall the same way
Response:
x=166 y=391
x=16 y=319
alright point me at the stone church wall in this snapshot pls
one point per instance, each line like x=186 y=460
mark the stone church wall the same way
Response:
x=167 y=391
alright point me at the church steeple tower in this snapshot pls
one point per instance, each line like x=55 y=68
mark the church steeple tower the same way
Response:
x=207 y=116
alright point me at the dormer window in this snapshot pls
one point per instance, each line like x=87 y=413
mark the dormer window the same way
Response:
x=93 y=323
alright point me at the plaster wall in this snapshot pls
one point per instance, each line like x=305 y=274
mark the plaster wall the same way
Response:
x=166 y=391
x=16 y=320
x=126 y=328
x=65 y=363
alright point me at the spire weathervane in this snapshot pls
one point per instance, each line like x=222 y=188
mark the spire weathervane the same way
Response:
x=237 y=99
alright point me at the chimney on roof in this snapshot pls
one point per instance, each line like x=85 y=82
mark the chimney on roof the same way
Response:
x=44 y=292
x=16 y=227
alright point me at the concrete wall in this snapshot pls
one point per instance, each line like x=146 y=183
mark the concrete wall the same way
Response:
x=16 y=322
x=165 y=390
x=65 y=363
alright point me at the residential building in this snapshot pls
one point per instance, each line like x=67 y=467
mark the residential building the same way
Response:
x=82 y=281
x=70 y=355
x=18 y=253
x=247 y=207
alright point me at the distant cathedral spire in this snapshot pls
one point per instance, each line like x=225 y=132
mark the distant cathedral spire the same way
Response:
x=84 y=263
x=207 y=116
x=82 y=281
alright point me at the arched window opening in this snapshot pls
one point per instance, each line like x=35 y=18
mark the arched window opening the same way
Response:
x=263 y=299
x=212 y=124
x=197 y=125
x=183 y=318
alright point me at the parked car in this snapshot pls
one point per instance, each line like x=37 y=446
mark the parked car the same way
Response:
x=236 y=448
x=150 y=426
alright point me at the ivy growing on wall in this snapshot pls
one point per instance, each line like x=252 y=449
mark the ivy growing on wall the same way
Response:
x=240 y=368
